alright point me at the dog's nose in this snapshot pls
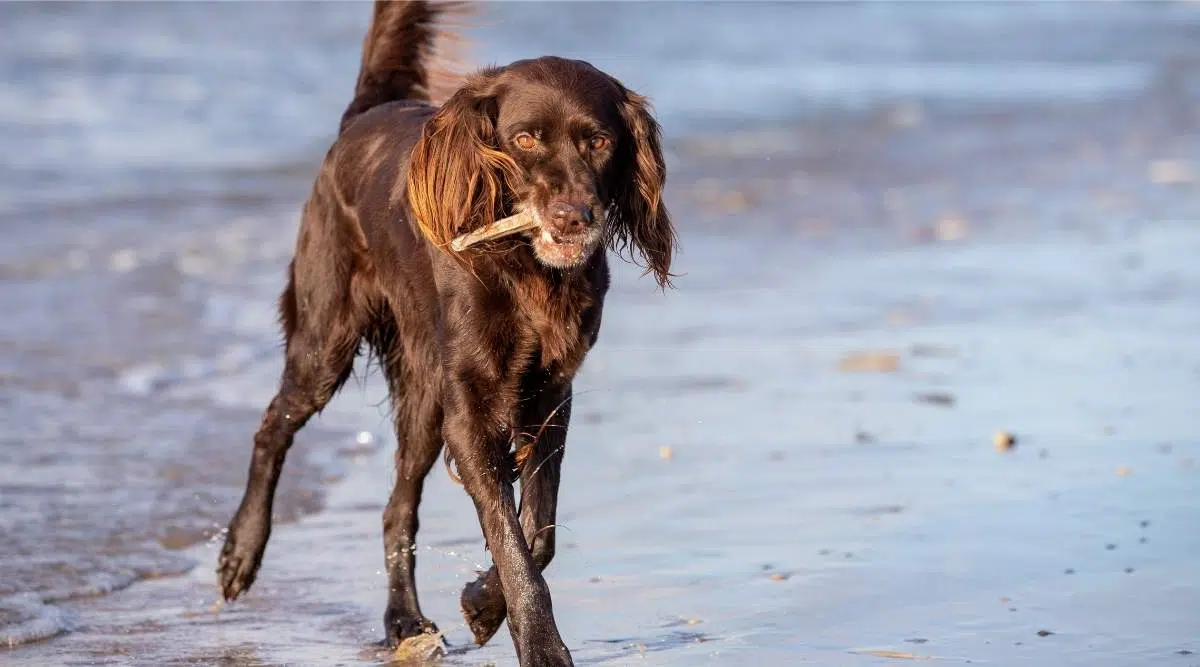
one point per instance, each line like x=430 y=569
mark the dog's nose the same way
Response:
x=568 y=218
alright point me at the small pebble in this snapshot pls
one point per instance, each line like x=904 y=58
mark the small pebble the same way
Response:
x=123 y=261
x=883 y=361
x=933 y=351
x=950 y=227
x=936 y=398
x=1171 y=172
x=1004 y=441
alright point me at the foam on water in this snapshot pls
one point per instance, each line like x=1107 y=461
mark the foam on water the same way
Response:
x=93 y=424
x=26 y=618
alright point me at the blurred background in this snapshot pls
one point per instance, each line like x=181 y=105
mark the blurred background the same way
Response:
x=910 y=230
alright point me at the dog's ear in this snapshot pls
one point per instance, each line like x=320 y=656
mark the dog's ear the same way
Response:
x=644 y=222
x=457 y=175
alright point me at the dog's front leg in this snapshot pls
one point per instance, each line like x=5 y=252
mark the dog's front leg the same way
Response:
x=479 y=448
x=545 y=415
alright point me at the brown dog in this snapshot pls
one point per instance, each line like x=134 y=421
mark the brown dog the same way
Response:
x=479 y=348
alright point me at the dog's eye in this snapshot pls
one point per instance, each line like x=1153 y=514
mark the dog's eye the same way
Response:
x=526 y=141
x=598 y=142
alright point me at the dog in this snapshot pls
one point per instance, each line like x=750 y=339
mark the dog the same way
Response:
x=479 y=348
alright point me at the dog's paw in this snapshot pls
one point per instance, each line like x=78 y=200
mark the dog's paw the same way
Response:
x=239 y=561
x=401 y=628
x=483 y=608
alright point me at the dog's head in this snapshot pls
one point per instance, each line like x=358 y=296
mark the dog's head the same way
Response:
x=556 y=137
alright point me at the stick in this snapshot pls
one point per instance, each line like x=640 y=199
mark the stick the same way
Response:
x=525 y=220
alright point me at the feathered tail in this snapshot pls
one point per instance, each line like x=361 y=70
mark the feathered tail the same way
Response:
x=409 y=53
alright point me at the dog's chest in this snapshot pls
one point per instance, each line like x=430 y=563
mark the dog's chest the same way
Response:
x=554 y=314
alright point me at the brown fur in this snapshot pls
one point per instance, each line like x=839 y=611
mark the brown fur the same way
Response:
x=479 y=349
x=456 y=177
x=407 y=54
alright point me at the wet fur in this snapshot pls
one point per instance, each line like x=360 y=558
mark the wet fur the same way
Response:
x=478 y=349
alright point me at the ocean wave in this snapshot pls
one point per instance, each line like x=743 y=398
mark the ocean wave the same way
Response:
x=26 y=618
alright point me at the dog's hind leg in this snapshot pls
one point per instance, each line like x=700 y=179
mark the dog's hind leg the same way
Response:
x=322 y=328
x=418 y=415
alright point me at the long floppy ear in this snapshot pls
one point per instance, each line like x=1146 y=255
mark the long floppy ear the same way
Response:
x=457 y=176
x=644 y=222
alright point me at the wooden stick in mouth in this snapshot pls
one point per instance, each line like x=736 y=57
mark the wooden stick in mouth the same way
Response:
x=513 y=224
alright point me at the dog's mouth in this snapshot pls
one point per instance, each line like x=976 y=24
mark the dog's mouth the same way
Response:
x=563 y=251
x=550 y=246
x=553 y=248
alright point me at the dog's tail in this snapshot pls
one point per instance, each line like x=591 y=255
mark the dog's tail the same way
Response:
x=409 y=53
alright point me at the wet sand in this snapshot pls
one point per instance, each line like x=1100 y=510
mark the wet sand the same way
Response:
x=787 y=460
x=801 y=512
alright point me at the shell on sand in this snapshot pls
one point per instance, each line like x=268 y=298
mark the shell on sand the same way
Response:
x=420 y=648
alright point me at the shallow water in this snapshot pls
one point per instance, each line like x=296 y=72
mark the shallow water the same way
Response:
x=973 y=188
